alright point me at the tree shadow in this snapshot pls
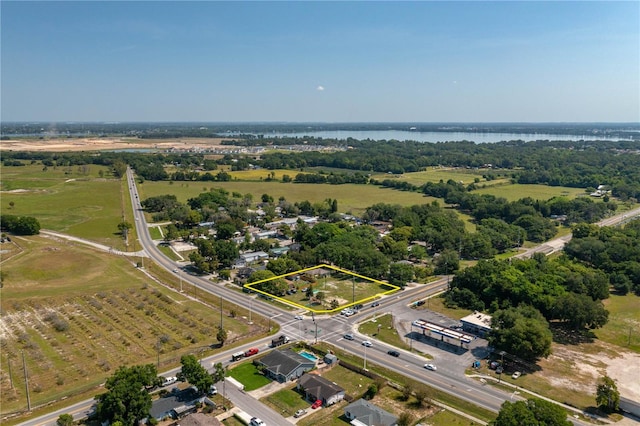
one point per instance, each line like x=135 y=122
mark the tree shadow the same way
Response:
x=565 y=336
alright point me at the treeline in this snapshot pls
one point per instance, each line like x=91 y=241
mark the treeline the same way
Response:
x=615 y=251
x=19 y=225
x=557 y=163
x=524 y=296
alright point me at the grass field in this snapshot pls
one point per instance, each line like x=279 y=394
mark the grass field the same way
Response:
x=623 y=328
x=72 y=201
x=437 y=174
x=351 y=198
x=78 y=314
x=247 y=374
x=513 y=192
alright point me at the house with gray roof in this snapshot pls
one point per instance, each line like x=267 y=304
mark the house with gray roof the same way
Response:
x=364 y=413
x=316 y=387
x=285 y=365
x=175 y=404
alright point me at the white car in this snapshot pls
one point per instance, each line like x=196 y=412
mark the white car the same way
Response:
x=166 y=381
x=430 y=367
x=516 y=375
x=299 y=317
x=256 y=422
x=367 y=343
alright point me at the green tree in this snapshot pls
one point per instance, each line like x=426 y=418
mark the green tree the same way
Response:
x=195 y=373
x=447 y=263
x=400 y=274
x=522 y=332
x=119 y=168
x=65 y=420
x=221 y=335
x=126 y=399
x=405 y=419
x=219 y=372
x=607 y=395
x=532 y=412
x=124 y=228
x=422 y=395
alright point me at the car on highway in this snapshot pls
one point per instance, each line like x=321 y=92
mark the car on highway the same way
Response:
x=348 y=336
x=516 y=375
x=317 y=404
x=299 y=317
x=374 y=304
x=394 y=353
x=430 y=367
x=367 y=343
x=299 y=413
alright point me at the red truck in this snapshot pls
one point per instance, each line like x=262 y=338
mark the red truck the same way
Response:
x=251 y=351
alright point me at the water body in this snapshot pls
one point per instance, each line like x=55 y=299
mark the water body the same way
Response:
x=406 y=135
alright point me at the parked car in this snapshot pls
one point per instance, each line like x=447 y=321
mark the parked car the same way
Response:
x=394 y=353
x=166 y=381
x=367 y=343
x=430 y=367
x=316 y=404
x=348 y=336
x=213 y=390
x=300 y=413
x=516 y=375
x=499 y=370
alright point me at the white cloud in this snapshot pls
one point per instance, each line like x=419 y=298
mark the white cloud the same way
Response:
x=320 y=88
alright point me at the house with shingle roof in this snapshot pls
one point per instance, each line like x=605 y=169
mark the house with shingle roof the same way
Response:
x=364 y=413
x=316 y=387
x=285 y=365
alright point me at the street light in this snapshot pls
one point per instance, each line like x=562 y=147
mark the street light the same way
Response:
x=514 y=394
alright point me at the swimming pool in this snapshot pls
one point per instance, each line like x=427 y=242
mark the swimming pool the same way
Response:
x=309 y=356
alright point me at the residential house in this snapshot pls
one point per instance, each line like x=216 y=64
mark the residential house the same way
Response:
x=285 y=365
x=175 y=404
x=316 y=388
x=364 y=413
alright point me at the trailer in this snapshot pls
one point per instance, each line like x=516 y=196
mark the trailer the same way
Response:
x=236 y=356
x=234 y=382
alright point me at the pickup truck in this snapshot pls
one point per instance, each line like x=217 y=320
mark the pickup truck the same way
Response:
x=251 y=351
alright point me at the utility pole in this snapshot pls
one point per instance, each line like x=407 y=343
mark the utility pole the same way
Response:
x=10 y=374
x=220 y=312
x=26 y=382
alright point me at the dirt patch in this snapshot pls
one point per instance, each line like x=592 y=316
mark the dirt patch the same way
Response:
x=579 y=367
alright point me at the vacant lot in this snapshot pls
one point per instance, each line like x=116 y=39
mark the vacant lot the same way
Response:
x=436 y=174
x=77 y=314
x=344 y=288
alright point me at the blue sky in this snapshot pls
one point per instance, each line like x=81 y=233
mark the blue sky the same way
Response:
x=321 y=61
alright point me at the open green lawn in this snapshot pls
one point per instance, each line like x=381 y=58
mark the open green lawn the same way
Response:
x=351 y=198
x=623 y=328
x=515 y=191
x=73 y=202
x=381 y=327
x=286 y=401
x=436 y=175
x=247 y=374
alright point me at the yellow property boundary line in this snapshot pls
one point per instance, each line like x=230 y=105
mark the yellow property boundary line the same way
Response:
x=321 y=311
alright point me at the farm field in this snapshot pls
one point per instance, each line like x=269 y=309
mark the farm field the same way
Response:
x=351 y=198
x=73 y=200
x=516 y=191
x=436 y=174
x=78 y=314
